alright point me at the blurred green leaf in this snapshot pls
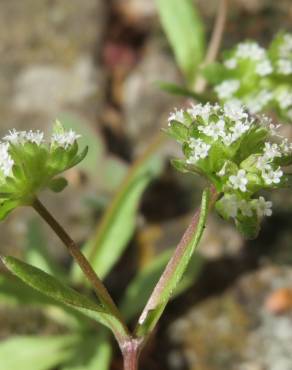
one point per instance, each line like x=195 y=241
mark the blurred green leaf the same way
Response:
x=89 y=138
x=58 y=184
x=141 y=286
x=35 y=352
x=185 y=32
x=183 y=91
x=118 y=224
x=53 y=288
x=114 y=173
x=92 y=352
x=160 y=297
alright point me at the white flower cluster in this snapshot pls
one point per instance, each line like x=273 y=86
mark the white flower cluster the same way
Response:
x=21 y=137
x=234 y=205
x=252 y=51
x=229 y=132
x=265 y=89
x=284 y=64
x=65 y=139
x=6 y=162
x=200 y=150
x=227 y=88
x=14 y=137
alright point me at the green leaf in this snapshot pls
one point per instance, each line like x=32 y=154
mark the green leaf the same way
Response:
x=167 y=285
x=141 y=286
x=35 y=352
x=92 y=352
x=185 y=32
x=249 y=227
x=118 y=224
x=183 y=91
x=178 y=131
x=7 y=206
x=53 y=288
x=58 y=184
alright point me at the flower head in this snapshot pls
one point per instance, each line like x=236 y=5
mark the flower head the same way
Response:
x=28 y=164
x=237 y=153
x=256 y=76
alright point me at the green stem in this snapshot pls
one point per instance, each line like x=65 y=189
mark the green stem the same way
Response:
x=85 y=266
x=176 y=266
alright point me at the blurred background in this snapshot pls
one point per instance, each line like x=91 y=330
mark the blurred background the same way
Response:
x=94 y=64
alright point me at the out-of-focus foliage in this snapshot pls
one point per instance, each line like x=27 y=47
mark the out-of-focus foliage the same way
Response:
x=185 y=31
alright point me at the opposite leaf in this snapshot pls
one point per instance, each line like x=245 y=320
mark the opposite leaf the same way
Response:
x=53 y=288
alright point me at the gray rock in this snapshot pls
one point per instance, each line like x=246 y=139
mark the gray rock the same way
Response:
x=236 y=330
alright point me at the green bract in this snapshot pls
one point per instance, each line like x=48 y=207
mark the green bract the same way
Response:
x=29 y=164
x=260 y=79
x=239 y=154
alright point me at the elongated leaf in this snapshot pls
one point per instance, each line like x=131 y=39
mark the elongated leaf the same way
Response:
x=184 y=91
x=140 y=288
x=185 y=32
x=92 y=352
x=13 y=292
x=170 y=279
x=35 y=352
x=53 y=288
x=118 y=224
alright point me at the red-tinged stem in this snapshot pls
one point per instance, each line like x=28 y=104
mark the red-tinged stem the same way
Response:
x=131 y=352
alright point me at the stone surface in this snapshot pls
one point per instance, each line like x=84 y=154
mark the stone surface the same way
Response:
x=145 y=106
x=236 y=330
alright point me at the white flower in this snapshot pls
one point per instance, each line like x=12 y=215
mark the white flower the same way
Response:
x=234 y=110
x=177 y=115
x=257 y=102
x=21 y=137
x=271 y=176
x=36 y=137
x=286 y=47
x=284 y=66
x=227 y=88
x=239 y=128
x=264 y=68
x=245 y=208
x=272 y=151
x=239 y=181
x=250 y=50
x=6 y=162
x=263 y=163
x=203 y=111
x=230 y=205
x=284 y=99
x=65 y=139
x=200 y=150
x=230 y=63
x=263 y=207
x=285 y=146
x=214 y=129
